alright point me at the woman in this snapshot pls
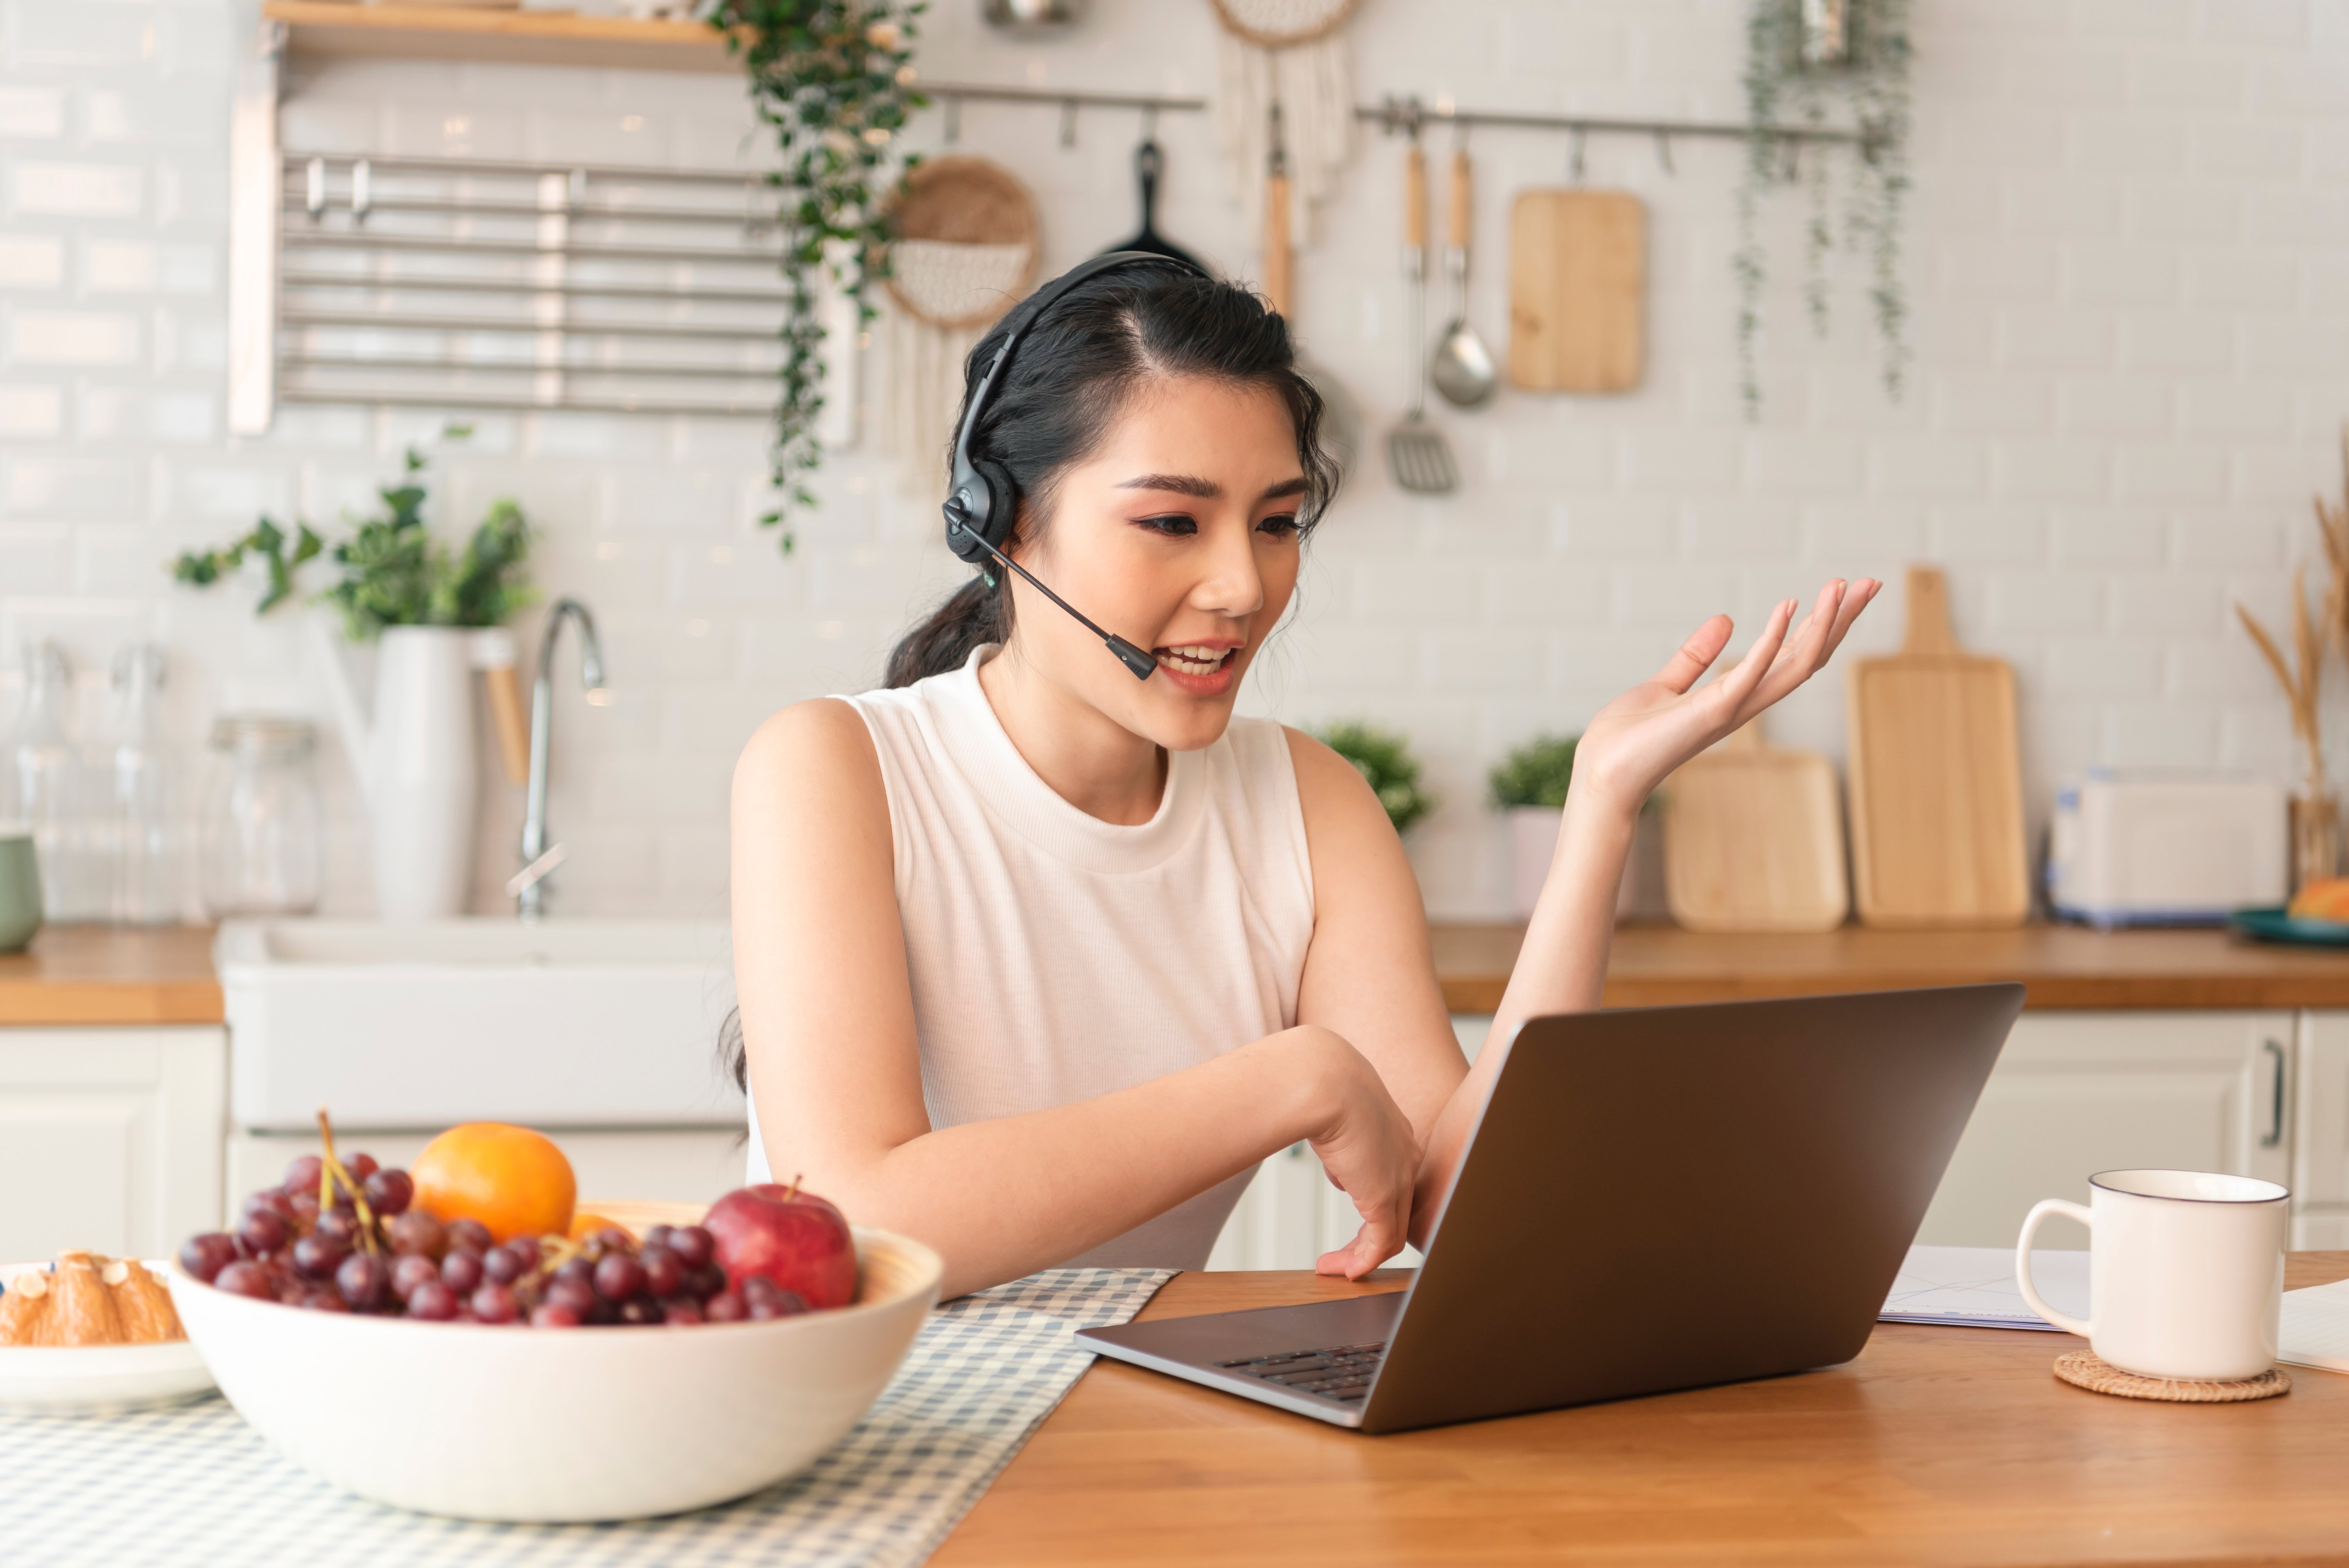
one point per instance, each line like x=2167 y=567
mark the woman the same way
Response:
x=1037 y=961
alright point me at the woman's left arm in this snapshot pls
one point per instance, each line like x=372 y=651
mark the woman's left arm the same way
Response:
x=1628 y=749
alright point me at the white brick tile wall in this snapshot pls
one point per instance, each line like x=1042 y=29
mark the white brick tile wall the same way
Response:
x=2129 y=270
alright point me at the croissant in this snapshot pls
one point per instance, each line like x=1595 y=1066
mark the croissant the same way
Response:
x=24 y=1310
x=84 y=1313
x=142 y=1302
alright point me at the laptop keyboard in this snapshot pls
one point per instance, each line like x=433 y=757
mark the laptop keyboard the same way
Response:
x=1341 y=1372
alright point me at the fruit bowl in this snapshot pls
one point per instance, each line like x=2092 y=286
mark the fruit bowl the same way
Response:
x=541 y=1426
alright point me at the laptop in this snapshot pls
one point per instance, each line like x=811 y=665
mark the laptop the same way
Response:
x=1653 y=1199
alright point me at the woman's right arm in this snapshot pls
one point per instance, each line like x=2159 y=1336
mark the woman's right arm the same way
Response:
x=828 y=1025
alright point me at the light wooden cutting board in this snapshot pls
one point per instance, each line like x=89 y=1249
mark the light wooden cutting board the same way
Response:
x=1754 y=838
x=1577 y=284
x=1937 y=834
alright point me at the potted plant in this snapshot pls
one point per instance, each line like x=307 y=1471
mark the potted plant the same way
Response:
x=436 y=615
x=1529 y=790
x=1383 y=759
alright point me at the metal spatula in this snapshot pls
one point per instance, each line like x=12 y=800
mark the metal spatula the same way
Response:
x=1417 y=454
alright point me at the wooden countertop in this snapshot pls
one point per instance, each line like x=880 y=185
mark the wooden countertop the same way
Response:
x=1941 y=1446
x=2059 y=966
x=112 y=975
x=106 y=975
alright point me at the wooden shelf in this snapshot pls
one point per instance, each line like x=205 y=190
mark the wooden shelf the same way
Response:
x=337 y=29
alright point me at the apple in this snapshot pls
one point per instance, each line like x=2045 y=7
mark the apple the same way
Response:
x=787 y=1235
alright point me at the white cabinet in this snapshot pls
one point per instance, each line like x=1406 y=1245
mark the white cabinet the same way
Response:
x=2319 y=1177
x=2076 y=1093
x=109 y=1138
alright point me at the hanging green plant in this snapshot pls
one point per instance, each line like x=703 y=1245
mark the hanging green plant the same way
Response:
x=1803 y=59
x=834 y=78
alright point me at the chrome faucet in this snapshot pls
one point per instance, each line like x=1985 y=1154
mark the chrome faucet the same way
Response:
x=538 y=857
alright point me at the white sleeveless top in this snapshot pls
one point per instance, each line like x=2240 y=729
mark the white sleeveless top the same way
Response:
x=1056 y=958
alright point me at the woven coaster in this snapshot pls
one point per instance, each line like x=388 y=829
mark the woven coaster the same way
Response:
x=2087 y=1369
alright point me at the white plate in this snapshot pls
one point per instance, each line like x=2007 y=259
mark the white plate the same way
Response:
x=90 y=1379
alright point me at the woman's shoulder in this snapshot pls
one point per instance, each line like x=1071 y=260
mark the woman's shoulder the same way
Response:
x=819 y=747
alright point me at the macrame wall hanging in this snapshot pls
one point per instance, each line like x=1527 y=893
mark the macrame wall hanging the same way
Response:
x=965 y=246
x=1292 y=53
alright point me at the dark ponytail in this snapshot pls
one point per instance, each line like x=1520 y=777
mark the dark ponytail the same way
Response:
x=1075 y=370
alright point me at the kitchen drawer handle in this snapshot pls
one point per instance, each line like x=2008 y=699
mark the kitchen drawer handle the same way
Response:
x=2276 y=1111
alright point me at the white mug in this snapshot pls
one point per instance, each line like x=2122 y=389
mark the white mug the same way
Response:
x=2185 y=1272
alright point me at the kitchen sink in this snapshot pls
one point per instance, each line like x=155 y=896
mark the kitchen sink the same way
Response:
x=577 y=1023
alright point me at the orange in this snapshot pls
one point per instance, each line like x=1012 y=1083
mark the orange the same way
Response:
x=511 y=1180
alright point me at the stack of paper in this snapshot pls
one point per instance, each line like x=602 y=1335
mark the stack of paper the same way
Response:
x=1973 y=1287
x=2315 y=1330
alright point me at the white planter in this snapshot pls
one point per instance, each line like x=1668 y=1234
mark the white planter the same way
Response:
x=1533 y=844
x=415 y=760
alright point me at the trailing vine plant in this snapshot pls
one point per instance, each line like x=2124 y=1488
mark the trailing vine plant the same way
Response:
x=834 y=78
x=1871 y=81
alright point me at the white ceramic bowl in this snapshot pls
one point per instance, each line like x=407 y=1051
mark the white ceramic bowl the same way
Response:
x=529 y=1424
x=93 y=1379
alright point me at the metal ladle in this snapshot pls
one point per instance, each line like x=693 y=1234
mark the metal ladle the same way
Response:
x=1463 y=367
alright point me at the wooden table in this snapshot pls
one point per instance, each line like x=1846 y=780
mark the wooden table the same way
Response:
x=112 y=975
x=1938 y=1446
x=2059 y=966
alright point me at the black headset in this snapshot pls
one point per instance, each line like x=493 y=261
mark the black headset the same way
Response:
x=982 y=500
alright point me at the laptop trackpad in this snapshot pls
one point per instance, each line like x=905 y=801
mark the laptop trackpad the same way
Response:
x=1214 y=1336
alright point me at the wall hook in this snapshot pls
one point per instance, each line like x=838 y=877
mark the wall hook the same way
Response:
x=1068 y=122
x=1664 y=153
x=953 y=121
x=1574 y=165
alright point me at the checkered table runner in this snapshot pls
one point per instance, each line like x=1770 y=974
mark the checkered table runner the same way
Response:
x=195 y=1486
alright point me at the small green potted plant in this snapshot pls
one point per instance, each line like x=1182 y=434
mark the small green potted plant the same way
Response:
x=1529 y=790
x=1385 y=759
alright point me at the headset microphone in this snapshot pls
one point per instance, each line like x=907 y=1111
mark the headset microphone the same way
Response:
x=982 y=500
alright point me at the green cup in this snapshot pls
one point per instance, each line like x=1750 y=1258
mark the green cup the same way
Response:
x=20 y=891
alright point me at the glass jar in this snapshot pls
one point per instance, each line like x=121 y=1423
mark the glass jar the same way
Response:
x=263 y=826
x=143 y=835
x=43 y=786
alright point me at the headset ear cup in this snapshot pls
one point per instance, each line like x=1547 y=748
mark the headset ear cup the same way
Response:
x=966 y=508
x=1003 y=509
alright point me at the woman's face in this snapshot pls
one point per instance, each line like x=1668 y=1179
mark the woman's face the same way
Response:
x=1178 y=534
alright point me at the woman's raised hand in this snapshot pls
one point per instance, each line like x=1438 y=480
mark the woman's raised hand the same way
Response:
x=1640 y=736
x=1367 y=1148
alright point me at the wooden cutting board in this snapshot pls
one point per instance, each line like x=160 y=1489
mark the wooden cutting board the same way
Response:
x=1577 y=284
x=1937 y=834
x=1754 y=838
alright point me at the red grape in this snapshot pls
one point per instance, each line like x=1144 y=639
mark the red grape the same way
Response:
x=619 y=1278
x=551 y=1315
x=262 y=1233
x=246 y=1279
x=613 y=1239
x=412 y=1271
x=204 y=1256
x=322 y=1301
x=363 y=1280
x=681 y=1311
x=576 y=1294
x=361 y=1167
x=417 y=1232
x=725 y=1306
x=664 y=1274
x=493 y=1304
x=302 y=1174
x=434 y=1302
x=694 y=1246
x=580 y=1269
x=338 y=1227
x=317 y=1257
x=271 y=1200
x=707 y=1281
x=462 y=1272
x=503 y=1266
x=302 y=1207
x=470 y=1236
x=640 y=1310
x=659 y=1236
x=527 y=1251
x=389 y=1192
